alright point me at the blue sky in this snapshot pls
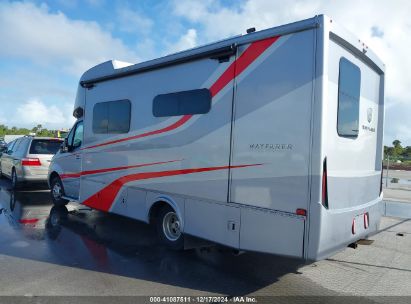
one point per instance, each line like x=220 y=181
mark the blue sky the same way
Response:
x=47 y=45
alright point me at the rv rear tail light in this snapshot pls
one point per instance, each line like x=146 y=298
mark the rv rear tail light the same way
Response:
x=301 y=212
x=324 y=198
x=353 y=226
x=30 y=162
x=366 y=220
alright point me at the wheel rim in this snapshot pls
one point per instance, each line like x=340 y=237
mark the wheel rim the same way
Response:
x=57 y=193
x=54 y=219
x=171 y=226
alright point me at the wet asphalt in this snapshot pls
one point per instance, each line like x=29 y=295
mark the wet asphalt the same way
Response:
x=95 y=253
x=46 y=251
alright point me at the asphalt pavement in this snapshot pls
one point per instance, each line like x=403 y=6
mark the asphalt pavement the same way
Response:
x=97 y=254
x=397 y=186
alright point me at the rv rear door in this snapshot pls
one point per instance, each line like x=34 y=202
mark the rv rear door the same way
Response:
x=353 y=128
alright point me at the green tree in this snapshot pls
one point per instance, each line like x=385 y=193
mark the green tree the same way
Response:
x=407 y=152
x=398 y=149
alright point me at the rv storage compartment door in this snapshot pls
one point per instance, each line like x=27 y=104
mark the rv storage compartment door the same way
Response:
x=213 y=221
x=272 y=232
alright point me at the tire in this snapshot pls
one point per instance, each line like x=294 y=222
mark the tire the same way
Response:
x=57 y=191
x=169 y=228
x=12 y=201
x=14 y=180
x=58 y=214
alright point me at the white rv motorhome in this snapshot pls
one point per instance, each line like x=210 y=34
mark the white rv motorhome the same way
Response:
x=269 y=142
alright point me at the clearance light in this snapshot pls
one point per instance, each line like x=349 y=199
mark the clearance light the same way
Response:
x=29 y=162
x=301 y=212
x=381 y=182
x=353 y=226
x=366 y=220
x=324 y=200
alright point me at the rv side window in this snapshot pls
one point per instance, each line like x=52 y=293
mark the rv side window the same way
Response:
x=349 y=84
x=111 y=117
x=182 y=103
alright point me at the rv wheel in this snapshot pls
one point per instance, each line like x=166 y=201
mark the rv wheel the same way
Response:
x=57 y=192
x=57 y=215
x=169 y=228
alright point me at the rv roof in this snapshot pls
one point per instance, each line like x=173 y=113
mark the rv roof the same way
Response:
x=114 y=69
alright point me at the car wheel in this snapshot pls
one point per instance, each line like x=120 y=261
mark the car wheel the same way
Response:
x=169 y=228
x=57 y=192
x=14 y=179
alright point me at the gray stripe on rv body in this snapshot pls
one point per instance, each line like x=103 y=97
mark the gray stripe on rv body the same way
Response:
x=344 y=192
x=283 y=83
x=272 y=189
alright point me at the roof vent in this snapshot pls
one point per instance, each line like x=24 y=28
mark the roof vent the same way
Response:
x=251 y=30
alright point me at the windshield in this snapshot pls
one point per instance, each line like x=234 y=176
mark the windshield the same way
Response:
x=45 y=146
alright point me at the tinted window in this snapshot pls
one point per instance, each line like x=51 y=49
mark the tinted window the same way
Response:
x=44 y=146
x=182 y=103
x=78 y=135
x=349 y=84
x=112 y=117
x=10 y=146
x=21 y=148
x=70 y=136
x=16 y=145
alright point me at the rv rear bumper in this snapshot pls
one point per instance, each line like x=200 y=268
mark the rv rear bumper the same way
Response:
x=335 y=229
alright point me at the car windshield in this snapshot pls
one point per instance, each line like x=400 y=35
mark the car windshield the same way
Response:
x=45 y=146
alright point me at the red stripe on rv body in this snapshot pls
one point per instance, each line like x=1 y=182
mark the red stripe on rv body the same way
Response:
x=236 y=68
x=105 y=170
x=103 y=199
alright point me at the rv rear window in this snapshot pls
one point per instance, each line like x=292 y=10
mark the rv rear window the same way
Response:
x=182 y=103
x=349 y=84
x=112 y=117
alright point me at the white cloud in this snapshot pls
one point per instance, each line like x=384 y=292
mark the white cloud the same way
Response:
x=187 y=41
x=385 y=26
x=133 y=22
x=34 y=112
x=35 y=33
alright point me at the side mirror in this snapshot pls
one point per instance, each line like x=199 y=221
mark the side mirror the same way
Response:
x=64 y=146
